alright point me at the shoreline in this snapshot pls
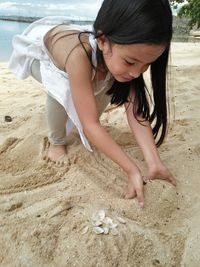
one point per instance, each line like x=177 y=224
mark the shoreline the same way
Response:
x=181 y=32
x=23 y=19
x=19 y=18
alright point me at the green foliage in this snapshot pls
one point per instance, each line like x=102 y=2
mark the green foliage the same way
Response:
x=190 y=10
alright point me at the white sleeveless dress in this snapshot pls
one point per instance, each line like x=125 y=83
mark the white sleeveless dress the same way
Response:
x=30 y=45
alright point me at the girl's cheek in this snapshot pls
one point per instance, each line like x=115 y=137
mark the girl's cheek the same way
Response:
x=119 y=68
x=145 y=68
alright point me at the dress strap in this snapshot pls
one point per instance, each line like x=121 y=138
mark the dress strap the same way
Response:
x=93 y=44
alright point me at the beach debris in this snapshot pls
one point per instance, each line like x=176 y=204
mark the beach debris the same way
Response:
x=97 y=223
x=15 y=206
x=113 y=225
x=114 y=231
x=98 y=230
x=105 y=230
x=108 y=220
x=103 y=224
x=99 y=215
x=121 y=220
x=84 y=230
x=7 y=118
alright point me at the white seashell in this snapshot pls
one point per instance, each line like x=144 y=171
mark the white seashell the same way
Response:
x=97 y=223
x=121 y=220
x=113 y=225
x=99 y=216
x=98 y=230
x=107 y=220
x=106 y=230
x=84 y=230
x=114 y=231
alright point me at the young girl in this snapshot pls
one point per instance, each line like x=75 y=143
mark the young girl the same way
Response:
x=83 y=71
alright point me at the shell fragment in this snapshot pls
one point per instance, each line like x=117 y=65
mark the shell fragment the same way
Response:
x=113 y=225
x=99 y=216
x=121 y=220
x=114 y=231
x=84 y=230
x=106 y=230
x=97 y=223
x=103 y=224
x=108 y=220
x=98 y=230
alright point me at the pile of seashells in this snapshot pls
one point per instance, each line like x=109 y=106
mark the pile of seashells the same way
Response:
x=103 y=224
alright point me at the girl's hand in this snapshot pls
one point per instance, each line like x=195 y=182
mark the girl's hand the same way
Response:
x=159 y=172
x=135 y=188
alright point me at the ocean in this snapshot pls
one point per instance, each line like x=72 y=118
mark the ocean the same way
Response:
x=75 y=10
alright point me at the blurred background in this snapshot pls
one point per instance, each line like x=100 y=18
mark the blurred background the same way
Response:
x=16 y=15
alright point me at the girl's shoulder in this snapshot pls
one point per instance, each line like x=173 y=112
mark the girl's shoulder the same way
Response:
x=63 y=40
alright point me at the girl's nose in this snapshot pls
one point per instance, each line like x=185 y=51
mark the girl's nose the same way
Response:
x=135 y=73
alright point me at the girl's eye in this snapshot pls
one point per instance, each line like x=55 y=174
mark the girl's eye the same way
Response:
x=129 y=63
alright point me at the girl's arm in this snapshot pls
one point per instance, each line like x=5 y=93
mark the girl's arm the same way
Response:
x=79 y=70
x=144 y=137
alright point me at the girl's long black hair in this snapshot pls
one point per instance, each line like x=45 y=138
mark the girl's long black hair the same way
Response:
x=139 y=22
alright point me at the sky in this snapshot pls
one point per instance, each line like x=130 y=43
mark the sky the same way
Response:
x=76 y=9
x=86 y=9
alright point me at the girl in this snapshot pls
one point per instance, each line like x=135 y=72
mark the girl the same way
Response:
x=83 y=71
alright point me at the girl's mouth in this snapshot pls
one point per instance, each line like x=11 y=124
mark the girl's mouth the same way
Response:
x=127 y=78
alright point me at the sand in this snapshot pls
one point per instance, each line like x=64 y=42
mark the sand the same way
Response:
x=45 y=211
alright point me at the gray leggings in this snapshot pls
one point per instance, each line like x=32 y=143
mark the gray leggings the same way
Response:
x=56 y=114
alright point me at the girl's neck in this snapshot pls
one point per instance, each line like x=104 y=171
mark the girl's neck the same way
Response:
x=100 y=74
x=101 y=66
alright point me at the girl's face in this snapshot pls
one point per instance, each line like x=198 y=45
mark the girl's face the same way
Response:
x=127 y=62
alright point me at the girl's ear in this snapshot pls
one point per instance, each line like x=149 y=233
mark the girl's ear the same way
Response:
x=101 y=42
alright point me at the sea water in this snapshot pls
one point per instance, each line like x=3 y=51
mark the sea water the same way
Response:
x=75 y=10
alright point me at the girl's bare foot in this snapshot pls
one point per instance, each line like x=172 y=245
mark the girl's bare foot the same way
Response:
x=56 y=152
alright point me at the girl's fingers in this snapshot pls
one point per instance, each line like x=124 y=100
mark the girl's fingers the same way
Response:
x=169 y=178
x=135 y=189
x=140 y=196
x=147 y=179
x=130 y=192
x=172 y=180
x=140 y=191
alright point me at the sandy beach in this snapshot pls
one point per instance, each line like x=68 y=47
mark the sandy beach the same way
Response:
x=46 y=211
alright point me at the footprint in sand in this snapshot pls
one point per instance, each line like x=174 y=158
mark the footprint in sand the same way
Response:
x=22 y=168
